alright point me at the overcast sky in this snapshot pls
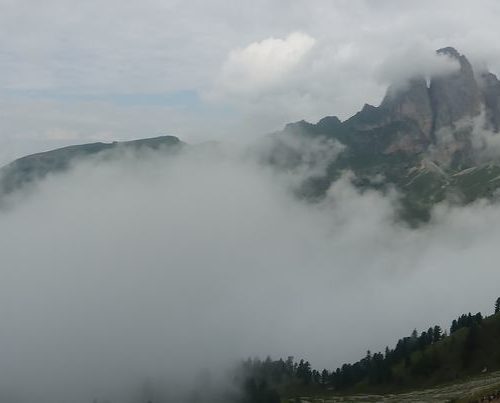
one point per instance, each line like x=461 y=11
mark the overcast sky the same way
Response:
x=73 y=71
x=117 y=270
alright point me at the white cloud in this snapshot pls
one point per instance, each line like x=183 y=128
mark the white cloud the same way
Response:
x=261 y=66
x=416 y=60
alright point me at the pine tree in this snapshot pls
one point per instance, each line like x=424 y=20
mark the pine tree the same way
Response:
x=422 y=340
x=454 y=326
x=497 y=305
x=289 y=366
x=430 y=335
x=324 y=376
x=304 y=371
x=437 y=333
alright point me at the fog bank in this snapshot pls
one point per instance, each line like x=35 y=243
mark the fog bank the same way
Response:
x=148 y=267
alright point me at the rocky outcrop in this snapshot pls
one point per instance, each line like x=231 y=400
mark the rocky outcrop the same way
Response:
x=490 y=89
x=454 y=96
x=438 y=117
x=411 y=101
x=417 y=116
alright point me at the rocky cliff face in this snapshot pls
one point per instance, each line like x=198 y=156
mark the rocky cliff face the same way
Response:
x=454 y=96
x=490 y=89
x=444 y=110
x=410 y=102
x=417 y=117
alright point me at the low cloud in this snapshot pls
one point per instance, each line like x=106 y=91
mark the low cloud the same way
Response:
x=148 y=267
x=415 y=61
x=484 y=140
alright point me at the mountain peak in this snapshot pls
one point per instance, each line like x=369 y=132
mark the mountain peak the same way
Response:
x=457 y=95
x=452 y=53
x=449 y=51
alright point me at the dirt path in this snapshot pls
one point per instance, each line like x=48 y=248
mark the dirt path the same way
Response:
x=465 y=391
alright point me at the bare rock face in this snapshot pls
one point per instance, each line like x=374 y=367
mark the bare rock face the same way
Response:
x=436 y=119
x=411 y=101
x=454 y=96
x=490 y=88
x=437 y=116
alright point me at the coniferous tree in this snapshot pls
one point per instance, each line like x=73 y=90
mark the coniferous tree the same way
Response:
x=497 y=305
x=304 y=372
x=478 y=318
x=430 y=335
x=437 y=333
x=289 y=366
x=325 y=376
x=422 y=340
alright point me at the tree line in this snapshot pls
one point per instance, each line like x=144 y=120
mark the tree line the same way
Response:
x=261 y=379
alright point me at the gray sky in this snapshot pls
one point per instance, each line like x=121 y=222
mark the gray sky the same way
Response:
x=73 y=71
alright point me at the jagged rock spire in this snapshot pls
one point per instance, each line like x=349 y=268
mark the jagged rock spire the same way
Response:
x=456 y=95
x=418 y=118
x=450 y=51
x=490 y=88
x=448 y=100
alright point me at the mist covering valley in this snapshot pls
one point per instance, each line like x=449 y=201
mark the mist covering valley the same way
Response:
x=141 y=267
